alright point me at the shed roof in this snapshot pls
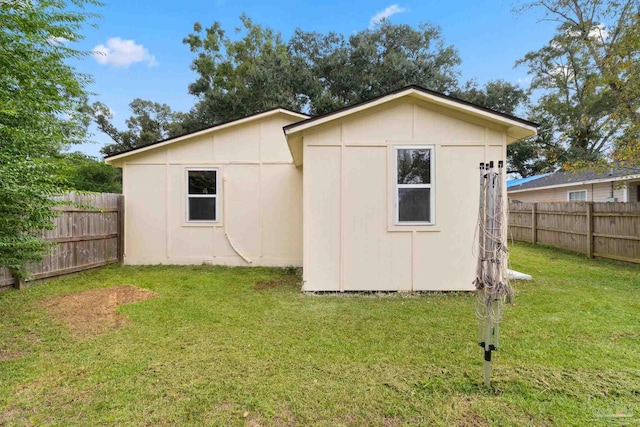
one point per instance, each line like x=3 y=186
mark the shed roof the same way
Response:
x=566 y=178
x=214 y=128
x=517 y=128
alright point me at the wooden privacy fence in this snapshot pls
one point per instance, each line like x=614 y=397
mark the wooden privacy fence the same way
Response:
x=607 y=230
x=84 y=237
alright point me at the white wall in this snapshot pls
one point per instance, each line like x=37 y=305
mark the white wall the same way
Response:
x=350 y=240
x=598 y=192
x=261 y=200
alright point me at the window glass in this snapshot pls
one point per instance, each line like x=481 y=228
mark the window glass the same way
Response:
x=577 y=196
x=414 y=166
x=202 y=209
x=201 y=195
x=414 y=204
x=202 y=182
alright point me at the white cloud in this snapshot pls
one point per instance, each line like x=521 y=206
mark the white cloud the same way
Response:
x=562 y=71
x=598 y=31
x=57 y=40
x=524 y=81
x=385 y=14
x=122 y=53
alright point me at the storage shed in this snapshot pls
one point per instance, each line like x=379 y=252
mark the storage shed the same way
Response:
x=379 y=196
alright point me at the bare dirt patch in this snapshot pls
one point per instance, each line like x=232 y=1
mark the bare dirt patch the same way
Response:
x=8 y=355
x=94 y=312
x=467 y=416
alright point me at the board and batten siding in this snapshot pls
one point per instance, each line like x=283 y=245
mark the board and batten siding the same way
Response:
x=259 y=199
x=350 y=240
x=596 y=192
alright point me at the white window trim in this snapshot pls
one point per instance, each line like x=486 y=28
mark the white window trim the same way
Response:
x=396 y=186
x=586 y=195
x=201 y=196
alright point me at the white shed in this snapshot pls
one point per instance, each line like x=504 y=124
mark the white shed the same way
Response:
x=380 y=196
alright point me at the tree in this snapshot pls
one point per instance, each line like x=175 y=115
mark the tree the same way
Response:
x=602 y=39
x=497 y=95
x=40 y=100
x=372 y=62
x=240 y=77
x=574 y=102
x=85 y=173
x=149 y=123
x=311 y=72
x=537 y=154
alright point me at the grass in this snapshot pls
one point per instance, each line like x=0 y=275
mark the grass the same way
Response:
x=212 y=350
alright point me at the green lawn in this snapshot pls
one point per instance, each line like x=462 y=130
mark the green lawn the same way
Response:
x=212 y=350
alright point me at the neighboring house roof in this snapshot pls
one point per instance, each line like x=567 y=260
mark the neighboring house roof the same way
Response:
x=567 y=178
x=218 y=127
x=518 y=181
x=517 y=128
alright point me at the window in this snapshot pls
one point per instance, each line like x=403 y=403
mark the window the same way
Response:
x=578 y=196
x=414 y=192
x=202 y=195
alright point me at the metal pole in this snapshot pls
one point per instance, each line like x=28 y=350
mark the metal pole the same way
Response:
x=490 y=282
x=481 y=248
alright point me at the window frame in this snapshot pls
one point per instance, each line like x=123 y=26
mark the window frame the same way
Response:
x=431 y=186
x=202 y=196
x=586 y=195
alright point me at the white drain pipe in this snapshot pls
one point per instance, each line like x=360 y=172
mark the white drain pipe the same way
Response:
x=224 y=222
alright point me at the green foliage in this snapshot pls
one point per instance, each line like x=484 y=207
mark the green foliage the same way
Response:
x=312 y=71
x=149 y=123
x=240 y=77
x=372 y=62
x=85 y=173
x=528 y=157
x=575 y=105
x=214 y=345
x=589 y=73
x=497 y=95
x=40 y=112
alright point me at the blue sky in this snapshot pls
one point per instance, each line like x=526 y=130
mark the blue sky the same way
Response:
x=145 y=58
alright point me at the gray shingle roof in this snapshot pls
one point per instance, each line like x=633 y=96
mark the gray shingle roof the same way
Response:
x=567 y=177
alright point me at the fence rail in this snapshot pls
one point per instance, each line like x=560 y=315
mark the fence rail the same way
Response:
x=84 y=237
x=607 y=230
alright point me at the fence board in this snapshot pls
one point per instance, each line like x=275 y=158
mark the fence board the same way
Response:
x=607 y=230
x=86 y=235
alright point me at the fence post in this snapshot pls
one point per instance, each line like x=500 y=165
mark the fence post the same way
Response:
x=121 y=229
x=18 y=283
x=590 y=229
x=534 y=223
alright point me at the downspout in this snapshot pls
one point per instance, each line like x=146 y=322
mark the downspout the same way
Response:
x=611 y=174
x=611 y=189
x=224 y=222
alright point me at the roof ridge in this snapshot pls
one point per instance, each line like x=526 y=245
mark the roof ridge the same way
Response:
x=420 y=89
x=129 y=150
